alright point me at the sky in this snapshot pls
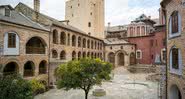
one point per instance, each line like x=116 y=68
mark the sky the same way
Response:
x=117 y=12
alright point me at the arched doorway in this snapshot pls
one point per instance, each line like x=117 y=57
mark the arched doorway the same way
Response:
x=43 y=67
x=111 y=58
x=11 y=68
x=132 y=59
x=29 y=68
x=35 y=45
x=121 y=59
x=175 y=93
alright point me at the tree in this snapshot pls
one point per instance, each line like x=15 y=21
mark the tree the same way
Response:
x=82 y=74
x=15 y=87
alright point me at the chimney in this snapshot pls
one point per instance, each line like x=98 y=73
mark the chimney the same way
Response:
x=37 y=5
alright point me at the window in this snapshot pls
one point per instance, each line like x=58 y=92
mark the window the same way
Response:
x=89 y=24
x=175 y=58
x=131 y=31
x=7 y=12
x=11 y=40
x=174 y=20
x=68 y=43
x=164 y=42
x=138 y=54
x=175 y=24
x=164 y=56
x=175 y=61
x=121 y=47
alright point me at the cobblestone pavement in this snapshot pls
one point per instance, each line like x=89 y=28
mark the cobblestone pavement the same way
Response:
x=119 y=87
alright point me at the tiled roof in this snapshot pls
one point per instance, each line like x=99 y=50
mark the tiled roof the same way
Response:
x=18 y=18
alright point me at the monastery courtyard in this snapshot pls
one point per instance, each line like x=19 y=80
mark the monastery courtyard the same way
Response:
x=120 y=87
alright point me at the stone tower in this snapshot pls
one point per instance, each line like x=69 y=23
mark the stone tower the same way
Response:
x=87 y=15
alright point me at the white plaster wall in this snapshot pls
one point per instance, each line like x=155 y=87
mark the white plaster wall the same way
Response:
x=11 y=51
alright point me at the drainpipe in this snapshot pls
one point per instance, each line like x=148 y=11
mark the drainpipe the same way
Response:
x=49 y=58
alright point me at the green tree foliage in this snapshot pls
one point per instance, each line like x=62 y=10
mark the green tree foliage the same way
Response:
x=82 y=74
x=15 y=87
x=37 y=86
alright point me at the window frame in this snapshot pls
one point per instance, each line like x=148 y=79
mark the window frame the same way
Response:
x=11 y=40
x=139 y=51
x=170 y=25
x=177 y=71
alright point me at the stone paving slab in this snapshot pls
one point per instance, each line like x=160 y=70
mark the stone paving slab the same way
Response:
x=115 y=89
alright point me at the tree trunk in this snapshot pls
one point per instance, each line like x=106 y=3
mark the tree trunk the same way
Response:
x=86 y=94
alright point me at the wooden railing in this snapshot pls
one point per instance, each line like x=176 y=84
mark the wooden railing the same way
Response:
x=35 y=50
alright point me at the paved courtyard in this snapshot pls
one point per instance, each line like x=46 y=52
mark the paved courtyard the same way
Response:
x=120 y=87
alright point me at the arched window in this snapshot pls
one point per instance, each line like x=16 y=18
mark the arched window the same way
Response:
x=35 y=45
x=73 y=40
x=43 y=67
x=92 y=44
x=79 y=55
x=54 y=54
x=111 y=58
x=88 y=43
x=11 y=44
x=79 y=41
x=29 y=69
x=131 y=31
x=84 y=43
x=63 y=55
x=95 y=44
x=176 y=61
x=63 y=38
x=55 y=36
x=138 y=31
x=73 y=55
x=175 y=24
x=142 y=31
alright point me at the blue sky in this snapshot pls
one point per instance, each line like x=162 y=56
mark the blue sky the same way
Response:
x=117 y=12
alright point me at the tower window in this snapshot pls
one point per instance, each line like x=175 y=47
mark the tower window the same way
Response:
x=79 y=4
x=71 y=7
x=89 y=24
x=91 y=13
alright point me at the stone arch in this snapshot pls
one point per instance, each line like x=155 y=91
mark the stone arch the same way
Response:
x=11 y=68
x=84 y=43
x=175 y=92
x=92 y=55
x=54 y=54
x=55 y=36
x=63 y=38
x=73 y=55
x=92 y=44
x=79 y=41
x=88 y=43
x=36 y=45
x=73 y=40
x=132 y=59
x=43 y=67
x=63 y=55
x=29 y=69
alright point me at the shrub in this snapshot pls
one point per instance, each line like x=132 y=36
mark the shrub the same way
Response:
x=37 y=87
x=15 y=87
